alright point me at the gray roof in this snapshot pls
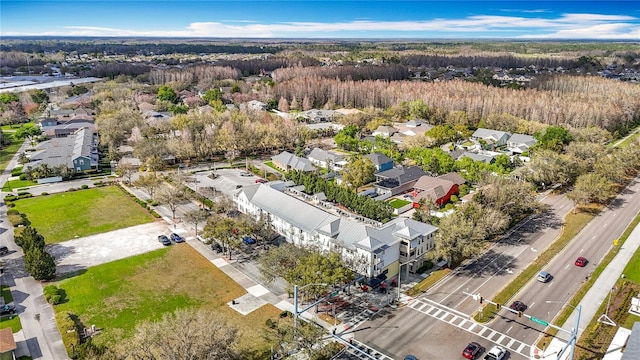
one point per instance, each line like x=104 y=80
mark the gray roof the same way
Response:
x=403 y=174
x=478 y=157
x=522 y=139
x=323 y=155
x=288 y=159
x=294 y=211
x=345 y=232
x=489 y=134
x=632 y=351
x=378 y=158
x=62 y=151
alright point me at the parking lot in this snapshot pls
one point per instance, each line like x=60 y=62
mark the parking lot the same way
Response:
x=81 y=253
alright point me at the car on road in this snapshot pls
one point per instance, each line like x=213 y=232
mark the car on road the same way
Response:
x=518 y=306
x=581 y=262
x=410 y=357
x=471 y=351
x=164 y=240
x=8 y=309
x=246 y=174
x=4 y=250
x=544 y=276
x=496 y=353
x=261 y=181
x=176 y=238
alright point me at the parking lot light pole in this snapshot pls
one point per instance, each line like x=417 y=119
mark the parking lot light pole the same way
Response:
x=400 y=272
x=574 y=332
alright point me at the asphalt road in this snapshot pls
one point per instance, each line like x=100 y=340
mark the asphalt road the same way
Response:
x=441 y=339
x=592 y=243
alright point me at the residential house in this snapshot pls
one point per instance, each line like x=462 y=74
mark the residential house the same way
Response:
x=413 y=127
x=370 y=250
x=487 y=157
x=7 y=344
x=317 y=116
x=490 y=139
x=381 y=161
x=385 y=131
x=520 y=143
x=156 y=119
x=256 y=105
x=287 y=161
x=79 y=152
x=398 y=180
x=327 y=159
x=53 y=128
x=437 y=189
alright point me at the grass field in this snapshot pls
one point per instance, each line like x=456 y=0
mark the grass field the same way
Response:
x=17 y=184
x=9 y=321
x=117 y=295
x=7 y=152
x=60 y=217
x=398 y=203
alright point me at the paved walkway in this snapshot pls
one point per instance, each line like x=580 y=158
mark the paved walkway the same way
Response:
x=596 y=295
x=38 y=339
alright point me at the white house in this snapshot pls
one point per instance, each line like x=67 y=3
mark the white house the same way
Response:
x=370 y=250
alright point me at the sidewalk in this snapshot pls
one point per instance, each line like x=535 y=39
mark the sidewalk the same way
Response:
x=592 y=300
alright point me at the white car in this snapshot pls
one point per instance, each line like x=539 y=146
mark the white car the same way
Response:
x=544 y=276
x=496 y=353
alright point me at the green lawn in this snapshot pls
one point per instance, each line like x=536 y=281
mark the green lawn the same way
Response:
x=63 y=216
x=117 y=295
x=16 y=184
x=7 y=152
x=9 y=321
x=398 y=203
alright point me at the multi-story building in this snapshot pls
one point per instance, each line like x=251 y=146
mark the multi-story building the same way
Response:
x=371 y=249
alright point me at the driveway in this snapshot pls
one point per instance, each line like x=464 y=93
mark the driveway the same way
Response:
x=81 y=253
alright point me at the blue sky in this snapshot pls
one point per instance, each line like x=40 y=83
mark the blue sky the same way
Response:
x=573 y=19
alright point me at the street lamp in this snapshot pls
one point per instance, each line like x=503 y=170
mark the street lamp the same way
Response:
x=574 y=332
x=399 y=273
x=295 y=301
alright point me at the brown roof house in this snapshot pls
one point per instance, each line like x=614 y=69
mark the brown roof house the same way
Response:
x=438 y=189
x=7 y=344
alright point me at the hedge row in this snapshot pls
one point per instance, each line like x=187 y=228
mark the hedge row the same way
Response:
x=140 y=202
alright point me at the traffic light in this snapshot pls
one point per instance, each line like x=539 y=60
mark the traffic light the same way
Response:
x=497 y=306
x=519 y=314
x=481 y=299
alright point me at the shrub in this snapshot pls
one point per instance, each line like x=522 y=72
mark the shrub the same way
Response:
x=25 y=195
x=84 y=187
x=72 y=189
x=98 y=183
x=23 y=177
x=44 y=193
x=20 y=193
x=454 y=198
x=10 y=198
x=286 y=313
x=53 y=295
x=13 y=212
x=16 y=220
x=68 y=330
x=55 y=299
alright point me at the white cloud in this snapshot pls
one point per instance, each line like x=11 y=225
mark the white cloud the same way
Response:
x=567 y=26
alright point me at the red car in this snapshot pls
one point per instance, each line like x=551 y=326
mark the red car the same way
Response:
x=581 y=262
x=471 y=350
x=518 y=306
x=260 y=181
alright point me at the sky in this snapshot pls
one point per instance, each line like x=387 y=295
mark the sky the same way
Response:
x=391 y=19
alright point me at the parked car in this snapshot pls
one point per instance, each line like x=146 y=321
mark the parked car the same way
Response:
x=217 y=247
x=496 y=353
x=246 y=174
x=544 y=276
x=4 y=250
x=471 y=351
x=581 y=262
x=8 y=309
x=164 y=240
x=410 y=357
x=249 y=240
x=260 y=181
x=518 y=306
x=176 y=238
